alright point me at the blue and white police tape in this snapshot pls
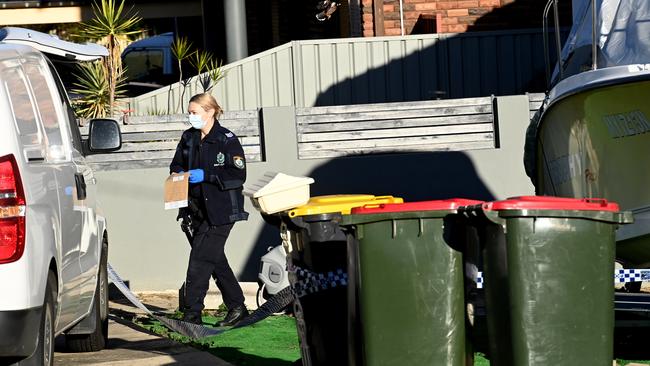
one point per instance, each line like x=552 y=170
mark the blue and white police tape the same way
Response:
x=620 y=276
x=631 y=275
x=184 y=328
x=308 y=282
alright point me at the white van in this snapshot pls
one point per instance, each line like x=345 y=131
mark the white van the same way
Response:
x=53 y=237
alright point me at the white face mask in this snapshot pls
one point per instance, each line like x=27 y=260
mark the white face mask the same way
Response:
x=196 y=121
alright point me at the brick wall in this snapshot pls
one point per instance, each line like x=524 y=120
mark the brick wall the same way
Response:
x=453 y=16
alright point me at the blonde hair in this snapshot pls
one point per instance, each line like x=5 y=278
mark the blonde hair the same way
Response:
x=207 y=102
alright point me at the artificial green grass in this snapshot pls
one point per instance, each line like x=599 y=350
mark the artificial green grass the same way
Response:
x=271 y=342
x=480 y=360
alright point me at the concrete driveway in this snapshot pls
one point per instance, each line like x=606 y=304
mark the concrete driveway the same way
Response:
x=131 y=345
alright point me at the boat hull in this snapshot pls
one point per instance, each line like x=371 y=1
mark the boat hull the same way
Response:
x=595 y=144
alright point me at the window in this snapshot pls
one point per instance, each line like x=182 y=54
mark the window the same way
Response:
x=15 y=86
x=144 y=65
x=75 y=135
x=47 y=111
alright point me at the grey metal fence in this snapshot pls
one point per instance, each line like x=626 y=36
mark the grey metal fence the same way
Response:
x=372 y=70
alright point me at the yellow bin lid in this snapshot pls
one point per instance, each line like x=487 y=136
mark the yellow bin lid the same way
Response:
x=342 y=203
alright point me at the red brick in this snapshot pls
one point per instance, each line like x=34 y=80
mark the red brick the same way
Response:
x=393 y=15
x=480 y=11
x=416 y=1
x=367 y=18
x=389 y=8
x=408 y=26
x=368 y=33
x=411 y=15
x=447 y=21
x=447 y=5
x=457 y=12
x=467 y=20
x=466 y=4
x=366 y=2
x=407 y=7
x=457 y=28
x=426 y=6
x=393 y=32
x=489 y=3
x=390 y=24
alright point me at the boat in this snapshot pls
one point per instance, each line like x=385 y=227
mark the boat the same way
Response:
x=591 y=136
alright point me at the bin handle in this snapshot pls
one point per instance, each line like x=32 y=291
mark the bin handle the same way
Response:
x=374 y=205
x=601 y=201
x=389 y=198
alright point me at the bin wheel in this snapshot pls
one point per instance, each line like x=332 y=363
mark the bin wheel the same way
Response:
x=632 y=287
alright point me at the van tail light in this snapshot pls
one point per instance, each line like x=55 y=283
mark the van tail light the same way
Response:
x=12 y=211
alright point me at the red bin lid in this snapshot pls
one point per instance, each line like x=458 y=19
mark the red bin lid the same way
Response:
x=435 y=205
x=552 y=203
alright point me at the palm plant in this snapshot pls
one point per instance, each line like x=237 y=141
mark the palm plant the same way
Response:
x=94 y=91
x=215 y=73
x=181 y=49
x=208 y=69
x=111 y=27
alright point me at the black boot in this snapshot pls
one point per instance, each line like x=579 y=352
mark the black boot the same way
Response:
x=194 y=318
x=234 y=315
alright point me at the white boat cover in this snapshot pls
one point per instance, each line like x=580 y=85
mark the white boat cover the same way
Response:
x=622 y=34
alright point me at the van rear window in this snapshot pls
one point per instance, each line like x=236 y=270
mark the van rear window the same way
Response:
x=45 y=103
x=22 y=107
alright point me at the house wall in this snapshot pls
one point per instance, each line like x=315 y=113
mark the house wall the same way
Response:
x=452 y=16
x=148 y=249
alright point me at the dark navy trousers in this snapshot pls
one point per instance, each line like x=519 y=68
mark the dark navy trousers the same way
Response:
x=208 y=259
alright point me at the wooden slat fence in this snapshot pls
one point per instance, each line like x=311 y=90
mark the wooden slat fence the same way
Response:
x=534 y=102
x=150 y=141
x=458 y=124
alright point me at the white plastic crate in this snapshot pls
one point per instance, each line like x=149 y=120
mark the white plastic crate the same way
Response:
x=276 y=192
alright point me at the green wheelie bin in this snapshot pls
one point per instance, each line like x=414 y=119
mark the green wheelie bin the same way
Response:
x=548 y=278
x=406 y=276
x=317 y=264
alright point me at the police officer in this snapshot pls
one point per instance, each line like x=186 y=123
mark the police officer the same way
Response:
x=215 y=160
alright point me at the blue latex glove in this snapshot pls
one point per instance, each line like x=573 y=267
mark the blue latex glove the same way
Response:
x=196 y=176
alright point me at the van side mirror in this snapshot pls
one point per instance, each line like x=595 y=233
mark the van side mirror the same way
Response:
x=104 y=135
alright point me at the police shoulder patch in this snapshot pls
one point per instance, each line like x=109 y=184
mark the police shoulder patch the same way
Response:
x=238 y=162
x=229 y=135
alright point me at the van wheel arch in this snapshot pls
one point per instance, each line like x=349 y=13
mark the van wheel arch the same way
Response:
x=98 y=338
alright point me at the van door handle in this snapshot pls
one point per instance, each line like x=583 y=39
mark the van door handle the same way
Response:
x=80 y=182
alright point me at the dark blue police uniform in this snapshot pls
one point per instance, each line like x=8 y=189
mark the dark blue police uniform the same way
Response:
x=217 y=204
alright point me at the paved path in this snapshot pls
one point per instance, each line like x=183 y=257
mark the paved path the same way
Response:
x=130 y=345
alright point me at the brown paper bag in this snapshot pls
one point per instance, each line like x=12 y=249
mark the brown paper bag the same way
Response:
x=176 y=186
